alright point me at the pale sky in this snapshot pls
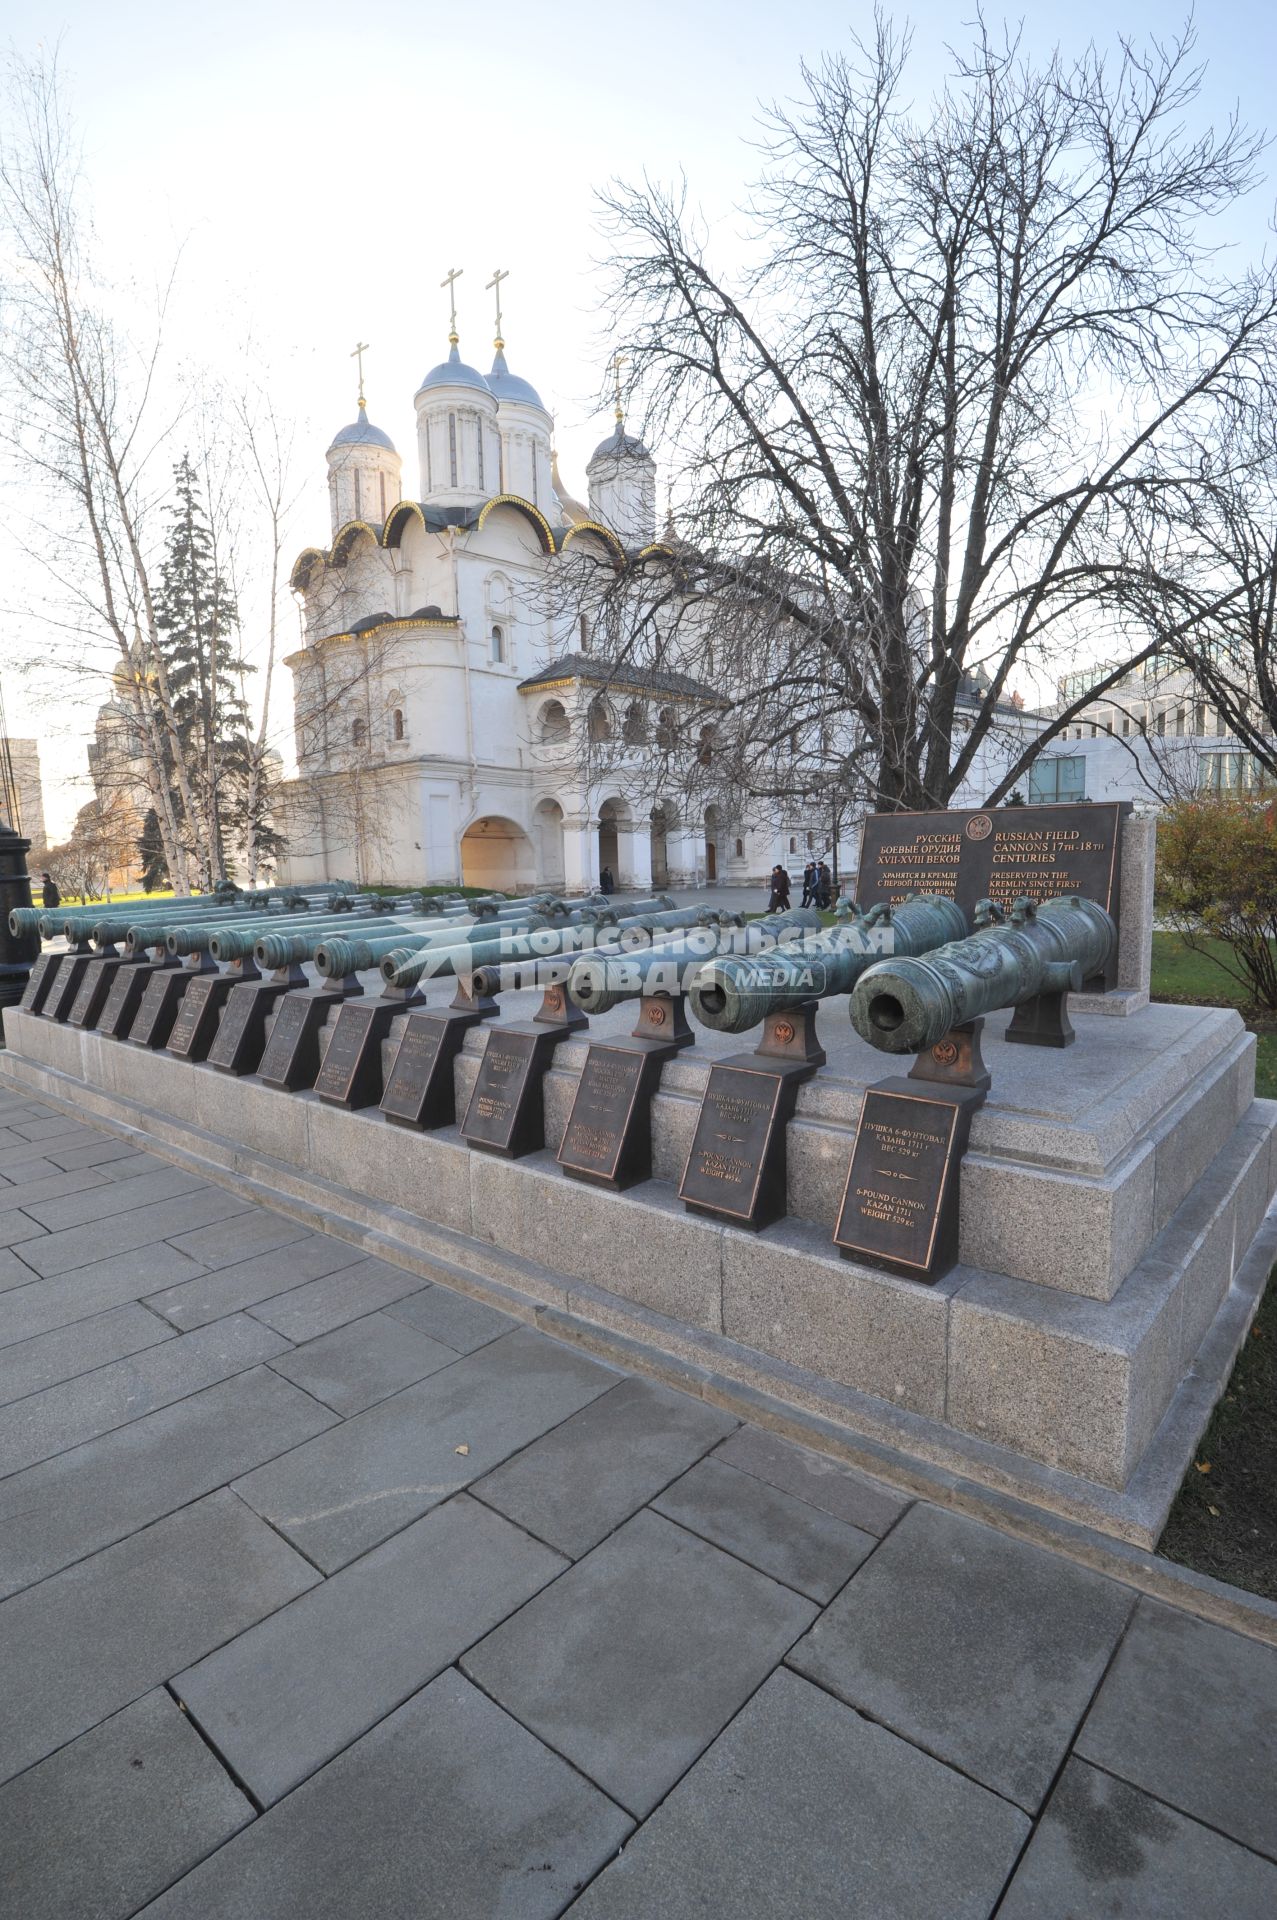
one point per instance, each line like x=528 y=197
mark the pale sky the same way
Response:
x=323 y=166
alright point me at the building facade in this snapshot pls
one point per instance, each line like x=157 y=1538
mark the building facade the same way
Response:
x=23 y=789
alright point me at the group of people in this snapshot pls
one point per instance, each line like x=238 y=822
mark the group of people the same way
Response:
x=818 y=887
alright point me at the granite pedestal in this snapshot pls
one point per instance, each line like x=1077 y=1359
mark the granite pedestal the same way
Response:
x=1109 y=1206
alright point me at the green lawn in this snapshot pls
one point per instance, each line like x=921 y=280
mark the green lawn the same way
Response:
x=1194 y=978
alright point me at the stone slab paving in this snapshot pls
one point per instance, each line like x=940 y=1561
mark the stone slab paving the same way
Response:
x=334 y=1593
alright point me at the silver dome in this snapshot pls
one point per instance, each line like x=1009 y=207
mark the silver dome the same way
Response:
x=620 y=445
x=361 y=433
x=509 y=386
x=453 y=372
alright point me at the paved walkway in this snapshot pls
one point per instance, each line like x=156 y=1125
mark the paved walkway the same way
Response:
x=328 y=1594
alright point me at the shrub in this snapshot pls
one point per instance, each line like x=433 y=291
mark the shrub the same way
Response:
x=1217 y=882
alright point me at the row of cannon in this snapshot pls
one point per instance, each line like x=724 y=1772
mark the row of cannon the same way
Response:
x=912 y=974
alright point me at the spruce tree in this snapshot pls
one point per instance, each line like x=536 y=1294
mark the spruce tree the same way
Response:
x=198 y=622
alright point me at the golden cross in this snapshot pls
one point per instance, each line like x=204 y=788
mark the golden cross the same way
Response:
x=450 y=280
x=360 y=350
x=494 y=285
x=618 y=361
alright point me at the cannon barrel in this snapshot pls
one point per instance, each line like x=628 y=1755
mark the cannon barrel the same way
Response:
x=112 y=922
x=290 y=948
x=489 y=959
x=239 y=942
x=33 y=919
x=603 y=980
x=555 y=962
x=107 y=929
x=904 y=1004
x=736 y=992
x=201 y=937
x=337 y=956
x=198 y=935
x=407 y=962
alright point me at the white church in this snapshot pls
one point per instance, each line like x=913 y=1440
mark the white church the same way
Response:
x=449 y=669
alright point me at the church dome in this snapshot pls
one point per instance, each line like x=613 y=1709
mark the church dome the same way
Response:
x=620 y=445
x=572 y=510
x=509 y=386
x=362 y=433
x=453 y=372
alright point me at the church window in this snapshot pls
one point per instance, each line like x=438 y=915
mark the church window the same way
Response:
x=430 y=482
x=585 y=633
x=793 y=843
x=705 y=748
x=740 y=849
x=358 y=733
x=396 y=723
x=600 y=721
x=478 y=427
x=709 y=661
x=554 y=722
x=382 y=482
x=452 y=446
x=498 y=646
x=665 y=727
x=635 y=724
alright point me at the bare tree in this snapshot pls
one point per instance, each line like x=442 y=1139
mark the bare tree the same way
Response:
x=1208 y=596
x=81 y=425
x=916 y=436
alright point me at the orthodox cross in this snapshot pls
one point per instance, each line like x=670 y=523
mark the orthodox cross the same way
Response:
x=618 y=361
x=360 y=350
x=494 y=286
x=450 y=280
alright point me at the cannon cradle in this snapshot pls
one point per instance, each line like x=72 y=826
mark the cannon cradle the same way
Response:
x=740 y=990
x=909 y=1003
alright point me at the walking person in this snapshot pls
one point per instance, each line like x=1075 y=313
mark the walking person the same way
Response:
x=606 y=883
x=809 y=882
x=778 y=898
x=49 y=893
x=824 y=888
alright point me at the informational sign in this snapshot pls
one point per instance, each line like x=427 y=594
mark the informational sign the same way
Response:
x=999 y=854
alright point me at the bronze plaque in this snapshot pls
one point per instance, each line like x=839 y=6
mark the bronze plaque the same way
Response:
x=999 y=853
x=598 y=1127
x=409 y=1090
x=154 y=1021
x=421 y=1090
x=292 y=1041
x=499 y=1114
x=125 y=997
x=731 y=1146
x=66 y=985
x=94 y=987
x=39 y=982
x=351 y=1072
x=186 y=1026
x=336 y=1077
x=233 y=1031
x=902 y=1167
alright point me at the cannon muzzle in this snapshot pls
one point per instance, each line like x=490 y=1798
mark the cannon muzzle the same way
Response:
x=906 y=1004
x=735 y=993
